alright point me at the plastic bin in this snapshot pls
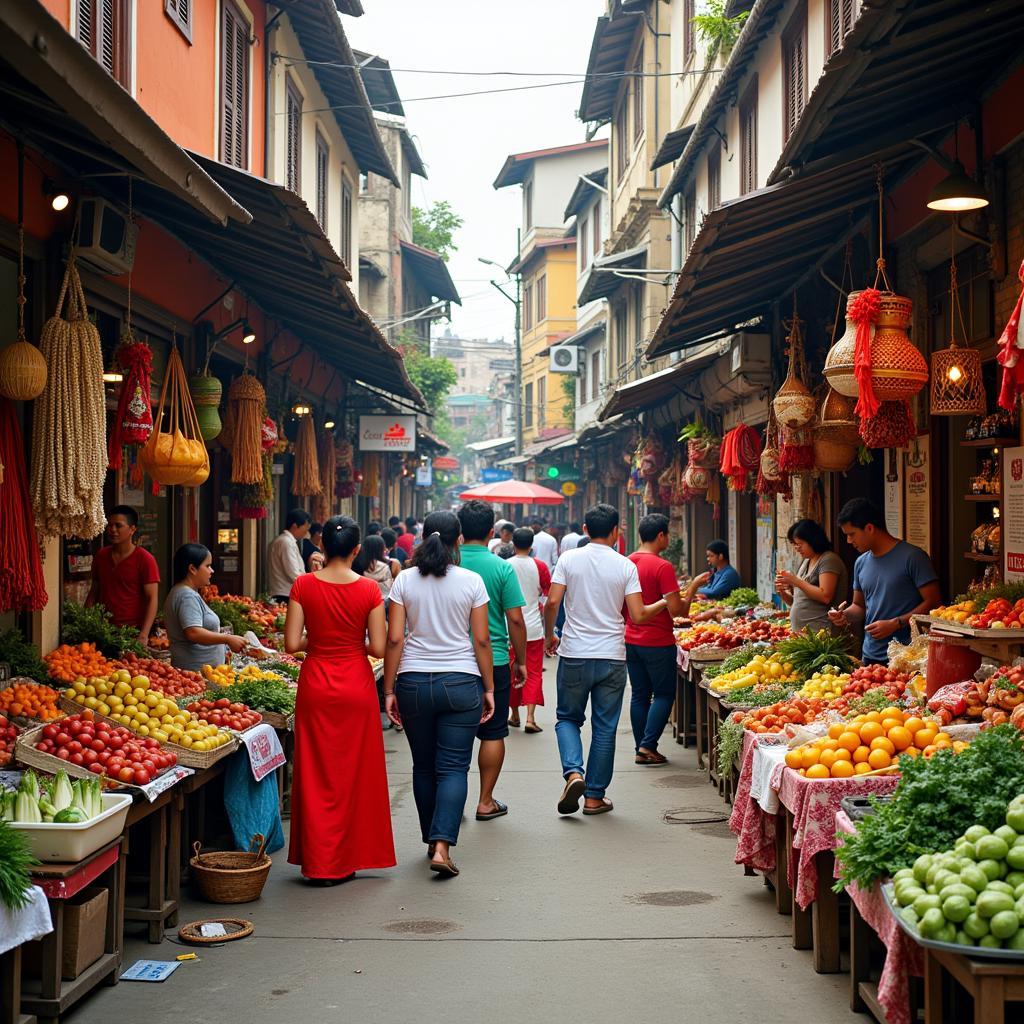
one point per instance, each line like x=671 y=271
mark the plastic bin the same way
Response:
x=67 y=844
x=950 y=660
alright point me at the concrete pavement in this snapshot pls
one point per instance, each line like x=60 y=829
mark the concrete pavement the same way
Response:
x=612 y=918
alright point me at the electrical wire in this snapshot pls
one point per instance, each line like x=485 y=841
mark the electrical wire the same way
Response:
x=483 y=74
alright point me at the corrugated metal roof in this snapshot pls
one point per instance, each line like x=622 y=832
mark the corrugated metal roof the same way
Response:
x=609 y=51
x=432 y=271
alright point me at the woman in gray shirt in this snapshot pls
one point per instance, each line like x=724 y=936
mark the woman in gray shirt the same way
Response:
x=821 y=579
x=192 y=626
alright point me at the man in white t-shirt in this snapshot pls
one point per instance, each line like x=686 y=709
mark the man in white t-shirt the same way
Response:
x=595 y=582
x=545 y=547
x=570 y=540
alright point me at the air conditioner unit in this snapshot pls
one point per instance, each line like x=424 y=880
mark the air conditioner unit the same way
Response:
x=751 y=354
x=565 y=359
x=107 y=237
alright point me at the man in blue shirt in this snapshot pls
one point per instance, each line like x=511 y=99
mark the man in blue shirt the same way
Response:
x=892 y=581
x=723 y=579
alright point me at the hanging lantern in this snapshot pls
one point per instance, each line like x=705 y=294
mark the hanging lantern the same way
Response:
x=957 y=385
x=839 y=362
x=794 y=403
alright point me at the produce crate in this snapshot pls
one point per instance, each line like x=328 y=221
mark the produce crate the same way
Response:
x=711 y=654
x=186 y=755
x=74 y=841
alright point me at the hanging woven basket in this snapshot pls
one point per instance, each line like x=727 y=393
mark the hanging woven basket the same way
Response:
x=793 y=404
x=833 y=453
x=22 y=371
x=839 y=363
x=898 y=369
x=175 y=453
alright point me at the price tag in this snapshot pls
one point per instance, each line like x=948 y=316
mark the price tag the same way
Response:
x=162 y=783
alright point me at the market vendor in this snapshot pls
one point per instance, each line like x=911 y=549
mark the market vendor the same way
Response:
x=721 y=579
x=192 y=625
x=284 y=556
x=892 y=581
x=820 y=580
x=125 y=577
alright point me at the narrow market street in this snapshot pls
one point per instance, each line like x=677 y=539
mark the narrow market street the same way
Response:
x=579 y=919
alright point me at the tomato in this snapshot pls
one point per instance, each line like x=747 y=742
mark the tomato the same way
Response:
x=126 y=774
x=63 y=753
x=141 y=777
x=50 y=732
x=97 y=744
x=76 y=758
x=75 y=747
x=96 y=769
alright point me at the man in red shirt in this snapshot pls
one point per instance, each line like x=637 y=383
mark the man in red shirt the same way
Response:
x=651 y=647
x=125 y=577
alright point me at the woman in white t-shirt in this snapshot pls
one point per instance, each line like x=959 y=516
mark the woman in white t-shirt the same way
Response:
x=438 y=678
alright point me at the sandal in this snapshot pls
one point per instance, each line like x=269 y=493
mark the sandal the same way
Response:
x=514 y=723
x=606 y=806
x=500 y=810
x=651 y=759
x=569 y=803
x=431 y=849
x=532 y=727
x=446 y=868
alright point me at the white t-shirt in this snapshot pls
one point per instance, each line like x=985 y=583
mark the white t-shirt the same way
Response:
x=529 y=580
x=569 y=542
x=545 y=547
x=437 y=611
x=284 y=564
x=596 y=580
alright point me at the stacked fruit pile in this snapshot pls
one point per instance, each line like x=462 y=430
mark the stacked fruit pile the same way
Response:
x=30 y=700
x=8 y=737
x=67 y=663
x=162 y=676
x=760 y=670
x=999 y=613
x=225 y=675
x=779 y=716
x=825 y=685
x=225 y=714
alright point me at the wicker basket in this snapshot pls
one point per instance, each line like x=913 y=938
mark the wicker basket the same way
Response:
x=22 y=372
x=277 y=720
x=831 y=453
x=230 y=876
x=192 y=932
x=793 y=403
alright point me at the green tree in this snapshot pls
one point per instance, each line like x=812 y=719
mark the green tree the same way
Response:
x=569 y=393
x=718 y=30
x=435 y=227
x=435 y=376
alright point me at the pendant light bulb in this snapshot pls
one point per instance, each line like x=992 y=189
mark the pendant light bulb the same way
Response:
x=957 y=193
x=954 y=373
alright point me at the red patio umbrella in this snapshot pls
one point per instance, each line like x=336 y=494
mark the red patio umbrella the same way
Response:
x=513 y=492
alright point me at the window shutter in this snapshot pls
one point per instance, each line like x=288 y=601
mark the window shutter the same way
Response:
x=595 y=228
x=583 y=242
x=85 y=15
x=795 y=72
x=690 y=217
x=715 y=178
x=748 y=140
x=346 y=221
x=322 y=164
x=689 y=32
x=234 y=87
x=294 y=138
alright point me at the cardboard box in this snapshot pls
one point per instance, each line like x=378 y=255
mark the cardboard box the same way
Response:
x=85 y=926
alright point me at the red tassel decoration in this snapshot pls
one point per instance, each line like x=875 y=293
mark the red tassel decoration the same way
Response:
x=864 y=312
x=133 y=422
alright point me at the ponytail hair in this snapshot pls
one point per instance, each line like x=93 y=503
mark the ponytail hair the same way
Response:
x=437 y=550
x=341 y=537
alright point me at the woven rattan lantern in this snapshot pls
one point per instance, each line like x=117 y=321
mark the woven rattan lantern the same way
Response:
x=957 y=385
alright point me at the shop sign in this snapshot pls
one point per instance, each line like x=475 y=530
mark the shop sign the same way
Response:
x=387 y=433
x=1012 y=522
x=917 y=481
x=424 y=476
x=894 y=493
x=446 y=462
x=765 y=550
x=568 y=488
x=494 y=476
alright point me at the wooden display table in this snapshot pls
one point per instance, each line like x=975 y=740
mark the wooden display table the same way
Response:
x=685 y=724
x=49 y=996
x=990 y=983
x=1002 y=645
x=163 y=817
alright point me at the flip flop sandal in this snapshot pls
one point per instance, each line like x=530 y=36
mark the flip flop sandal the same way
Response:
x=650 y=760
x=502 y=809
x=515 y=724
x=606 y=806
x=533 y=728
x=571 y=796
x=445 y=868
x=431 y=847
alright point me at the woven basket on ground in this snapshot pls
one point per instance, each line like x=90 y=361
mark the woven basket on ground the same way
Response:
x=231 y=876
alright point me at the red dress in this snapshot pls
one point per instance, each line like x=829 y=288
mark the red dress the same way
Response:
x=341 y=813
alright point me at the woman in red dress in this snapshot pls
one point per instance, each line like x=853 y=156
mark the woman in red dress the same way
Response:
x=341 y=814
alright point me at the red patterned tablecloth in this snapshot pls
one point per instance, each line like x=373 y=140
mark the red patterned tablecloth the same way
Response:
x=814 y=804
x=755 y=830
x=903 y=956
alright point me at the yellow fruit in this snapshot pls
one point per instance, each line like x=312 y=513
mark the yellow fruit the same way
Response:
x=879 y=759
x=842 y=770
x=819 y=771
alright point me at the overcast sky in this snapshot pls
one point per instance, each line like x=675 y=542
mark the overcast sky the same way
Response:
x=465 y=140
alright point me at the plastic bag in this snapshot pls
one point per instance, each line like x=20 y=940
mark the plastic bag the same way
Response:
x=951 y=698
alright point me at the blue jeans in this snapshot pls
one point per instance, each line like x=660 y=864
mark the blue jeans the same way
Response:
x=603 y=683
x=440 y=712
x=652 y=680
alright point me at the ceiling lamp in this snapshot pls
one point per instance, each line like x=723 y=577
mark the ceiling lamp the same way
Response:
x=957 y=193
x=59 y=198
x=300 y=409
x=329 y=425
x=248 y=334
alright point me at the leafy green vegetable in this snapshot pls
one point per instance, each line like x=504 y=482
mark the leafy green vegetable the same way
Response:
x=15 y=861
x=22 y=657
x=738 y=659
x=261 y=695
x=730 y=743
x=233 y=615
x=936 y=801
x=811 y=652
x=282 y=668
x=753 y=697
x=741 y=597
x=94 y=626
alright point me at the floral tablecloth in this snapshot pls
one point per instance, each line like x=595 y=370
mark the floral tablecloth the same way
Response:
x=814 y=804
x=903 y=956
x=754 y=827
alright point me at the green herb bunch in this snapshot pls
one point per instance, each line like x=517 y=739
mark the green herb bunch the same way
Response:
x=15 y=861
x=94 y=625
x=21 y=657
x=738 y=659
x=261 y=695
x=812 y=652
x=234 y=615
x=730 y=743
x=741 y=597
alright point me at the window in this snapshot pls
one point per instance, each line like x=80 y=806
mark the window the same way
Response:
x=621 y=332
x=527 y=307
x=690 y=216
x=638 y=96
x=542 y=400
x=839 y=21
x=528 y=204
x=104 y=28
x=323 y=163
x=748 y=140
x=689 y=31
x=346 y=222
x=619 y=131
x=583 y=241
x=715 y=177
x=542 y=298
x=528 y=405
x=180 y=12
x=293 y=140
x=638 y=319
x=234 y=87
x=794 y=70
x=595 y=228
x=595 y=376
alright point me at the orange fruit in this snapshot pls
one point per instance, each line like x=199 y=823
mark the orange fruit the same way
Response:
x=861 y=754
x=942 y=737
x=835 y=731
x=914 y=724
x=842 y=754
x=849 y=740
x=900 y=737
x=870 y=731
x=817 y=771
x=861 y=769
x=879 y=759
x=911 y=752
x=924 y=738
x=794 y=759
x=829 y=744
x=942 y=744
x=959 y=745
x=883 y=743
x=842 y=770
x=929 y=750
x=873 y=716
x=889 y=724
x=808 y=756
x=828 y=758
x=894 y=712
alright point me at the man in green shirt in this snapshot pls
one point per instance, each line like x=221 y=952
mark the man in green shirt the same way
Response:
x=507 y=625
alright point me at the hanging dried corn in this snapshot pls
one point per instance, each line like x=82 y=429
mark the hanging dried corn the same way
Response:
x=69 y=429
x=246 y=399
x=306 y=477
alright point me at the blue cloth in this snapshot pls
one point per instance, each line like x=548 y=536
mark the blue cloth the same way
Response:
x=603 y=683
x=252 y=806
x=722 y=583
x=891 y=585
x=440 y=712
x=652 y=684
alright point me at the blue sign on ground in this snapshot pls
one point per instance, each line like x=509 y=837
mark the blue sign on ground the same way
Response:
x=495 y=476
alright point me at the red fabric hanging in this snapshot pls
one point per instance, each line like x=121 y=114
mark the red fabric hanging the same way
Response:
x=1010 y=345
x=741 y=456
x=133 y=422
x=21 y=571
x=864 y=312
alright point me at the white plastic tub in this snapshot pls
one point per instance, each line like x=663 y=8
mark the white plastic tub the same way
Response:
x=66 y=844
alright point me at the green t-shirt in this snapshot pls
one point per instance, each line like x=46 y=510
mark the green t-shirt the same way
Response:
x=503 y=591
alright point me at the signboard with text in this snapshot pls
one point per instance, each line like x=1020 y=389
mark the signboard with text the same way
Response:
x=424 y=476
x=1012 y=522
x=387 y=433
x=494 y=476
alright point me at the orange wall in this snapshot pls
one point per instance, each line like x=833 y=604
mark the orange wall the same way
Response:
x=177 y=84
